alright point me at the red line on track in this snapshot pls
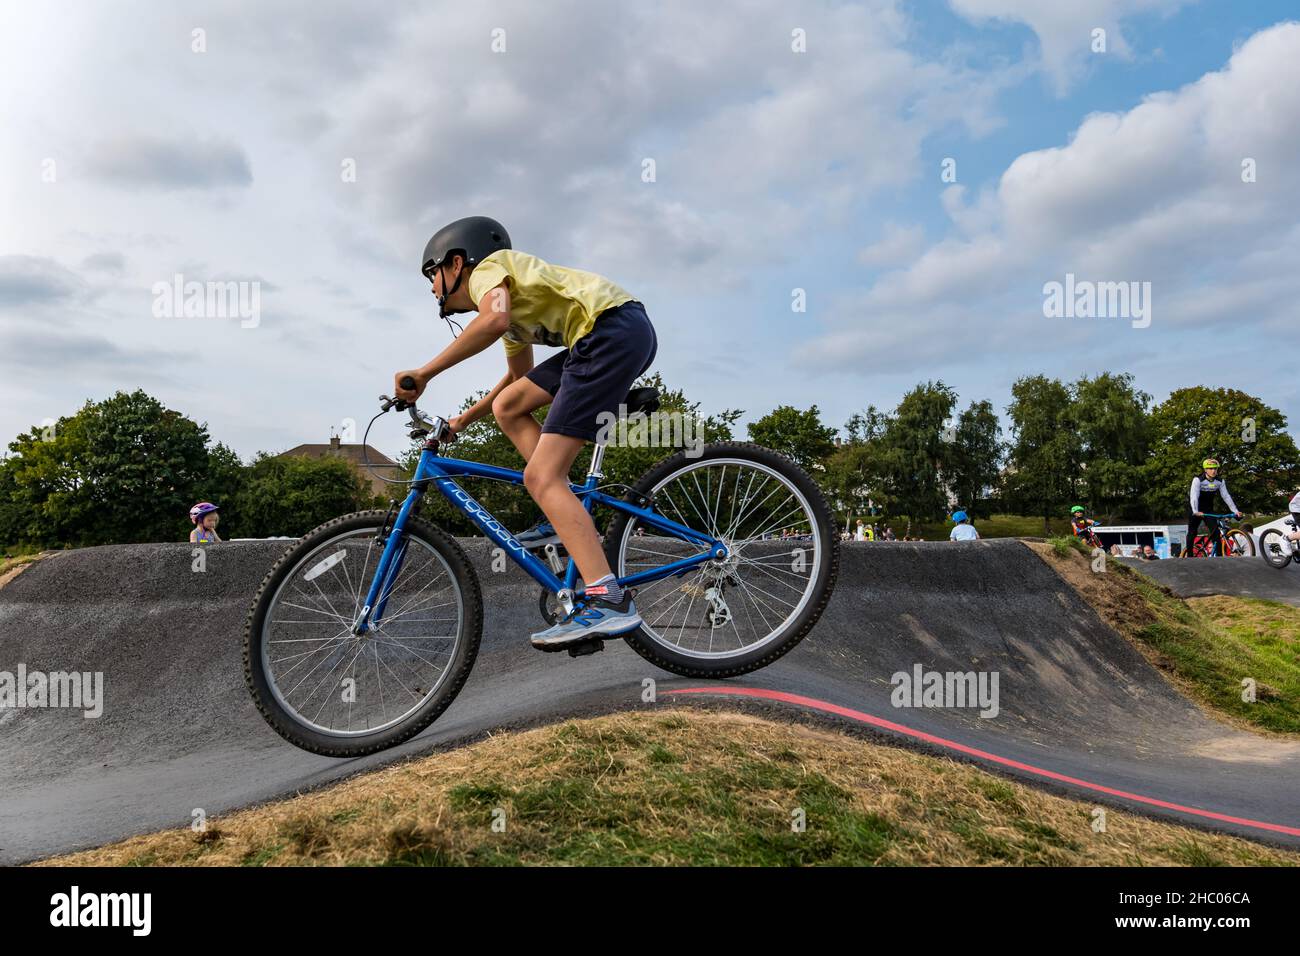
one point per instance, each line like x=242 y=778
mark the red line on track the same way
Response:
x=829 y=708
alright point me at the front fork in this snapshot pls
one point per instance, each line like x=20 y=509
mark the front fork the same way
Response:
x=390 y=566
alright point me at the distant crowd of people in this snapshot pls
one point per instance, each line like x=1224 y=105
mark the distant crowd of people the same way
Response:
x=873 y=531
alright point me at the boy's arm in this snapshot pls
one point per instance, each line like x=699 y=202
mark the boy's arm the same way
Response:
x=485 y=328
x=519 y=365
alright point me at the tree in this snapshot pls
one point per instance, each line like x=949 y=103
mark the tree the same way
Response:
x=121 y=470
x=1044 y=452
x=221 y=485
x=1113 y=426
x=855 y=475
x=1260 y=460
x=975 y=457
x=914 y=454
x=13 y=520
x=799 y=435
x=636 y=446
x=290 y=496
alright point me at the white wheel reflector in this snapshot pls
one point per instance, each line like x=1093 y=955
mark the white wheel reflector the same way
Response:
x=325 y=565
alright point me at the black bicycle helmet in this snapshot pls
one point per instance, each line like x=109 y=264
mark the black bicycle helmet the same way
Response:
x=475 y=237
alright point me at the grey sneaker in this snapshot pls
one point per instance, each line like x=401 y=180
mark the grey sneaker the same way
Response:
x=538 y=536
x=591 y=617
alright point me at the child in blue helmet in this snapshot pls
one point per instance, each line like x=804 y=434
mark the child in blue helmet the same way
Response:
x=962 y=528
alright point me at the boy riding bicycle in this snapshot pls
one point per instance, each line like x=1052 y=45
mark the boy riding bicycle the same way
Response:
x=1294 y=507
x=1200 y=499
x=608 y=341
x=1082 y=525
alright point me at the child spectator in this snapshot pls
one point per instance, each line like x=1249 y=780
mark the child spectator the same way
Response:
x=962 y=530
x=204 y=517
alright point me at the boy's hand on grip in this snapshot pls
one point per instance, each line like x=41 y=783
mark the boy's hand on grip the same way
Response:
x=408 y=385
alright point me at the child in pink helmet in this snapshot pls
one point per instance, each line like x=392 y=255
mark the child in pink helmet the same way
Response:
x=204 y=517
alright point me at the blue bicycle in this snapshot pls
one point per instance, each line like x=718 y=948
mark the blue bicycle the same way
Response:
x=365 y=631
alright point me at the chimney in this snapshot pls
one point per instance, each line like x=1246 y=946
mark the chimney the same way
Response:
x=334 y=442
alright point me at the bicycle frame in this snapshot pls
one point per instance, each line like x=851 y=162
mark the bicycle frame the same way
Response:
x=442 y=473
x=1218 y=528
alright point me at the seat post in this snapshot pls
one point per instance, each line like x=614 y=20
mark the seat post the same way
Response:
x=597 y=457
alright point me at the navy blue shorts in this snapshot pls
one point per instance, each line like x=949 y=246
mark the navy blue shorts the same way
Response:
x=595 y=374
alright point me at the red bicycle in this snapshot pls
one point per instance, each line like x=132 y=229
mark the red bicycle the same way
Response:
x=1089 y=537
x=1236 y=542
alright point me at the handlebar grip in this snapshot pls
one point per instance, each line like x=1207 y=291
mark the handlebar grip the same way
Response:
x=407 y=382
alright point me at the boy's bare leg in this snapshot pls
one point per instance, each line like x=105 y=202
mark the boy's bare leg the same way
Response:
x=547 y=480
x=550 y=460
x=513 y=409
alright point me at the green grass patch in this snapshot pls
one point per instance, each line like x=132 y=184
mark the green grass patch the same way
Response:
x=9 y=562
x=1215 y=644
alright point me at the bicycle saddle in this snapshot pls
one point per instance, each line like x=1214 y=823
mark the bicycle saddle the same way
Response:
x=642 y=400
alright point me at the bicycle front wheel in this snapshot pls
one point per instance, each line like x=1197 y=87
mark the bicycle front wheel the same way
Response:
x=1238 y=544
x=335 y=693
x=733 y=615
x=1275 y=548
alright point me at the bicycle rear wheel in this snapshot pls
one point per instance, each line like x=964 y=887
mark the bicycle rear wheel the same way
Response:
x=331 y=692
x=730 y=616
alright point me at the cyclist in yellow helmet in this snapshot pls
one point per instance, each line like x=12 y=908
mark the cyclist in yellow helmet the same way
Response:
x=1200 y=500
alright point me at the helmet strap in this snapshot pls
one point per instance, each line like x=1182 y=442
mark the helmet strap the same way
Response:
x=443 y=311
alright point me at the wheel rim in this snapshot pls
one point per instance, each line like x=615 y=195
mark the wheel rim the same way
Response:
x=1270 y=546
x=308 y=652
x=763 y=586
x=1239 y=544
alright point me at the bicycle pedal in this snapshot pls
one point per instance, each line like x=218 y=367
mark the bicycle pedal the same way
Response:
x=593 y=646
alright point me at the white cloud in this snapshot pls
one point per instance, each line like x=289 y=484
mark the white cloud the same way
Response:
x=227 y=164
x=898 y=244
x=1154 y=194
x=1065 y=27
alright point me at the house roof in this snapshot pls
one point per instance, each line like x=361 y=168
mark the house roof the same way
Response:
x=351 y=453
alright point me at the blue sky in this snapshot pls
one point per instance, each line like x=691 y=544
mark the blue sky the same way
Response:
x=776 y=171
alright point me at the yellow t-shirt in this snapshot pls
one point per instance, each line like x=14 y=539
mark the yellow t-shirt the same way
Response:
x=549 y=305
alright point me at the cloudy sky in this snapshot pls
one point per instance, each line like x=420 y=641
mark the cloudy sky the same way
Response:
x=795 y=146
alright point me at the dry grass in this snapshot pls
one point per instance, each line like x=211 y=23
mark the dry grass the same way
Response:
x=10 y=568
x=680 y=787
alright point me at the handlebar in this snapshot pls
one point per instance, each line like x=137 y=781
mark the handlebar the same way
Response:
x=422 y=426
x=401 y=405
